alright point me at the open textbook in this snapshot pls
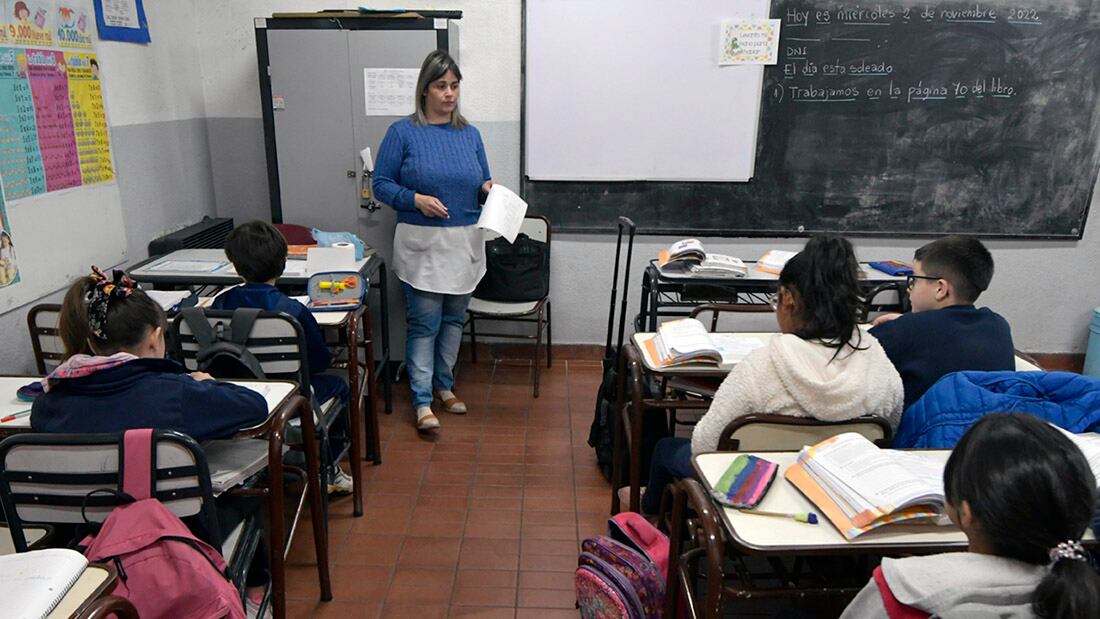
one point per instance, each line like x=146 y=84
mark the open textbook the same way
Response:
x=33 y=583
x=861 y=487
x=689 y=256
x=686 y=341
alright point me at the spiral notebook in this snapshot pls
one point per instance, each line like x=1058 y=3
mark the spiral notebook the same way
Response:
x=33 y=583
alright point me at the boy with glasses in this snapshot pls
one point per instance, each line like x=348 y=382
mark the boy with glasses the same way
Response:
x=945 y=333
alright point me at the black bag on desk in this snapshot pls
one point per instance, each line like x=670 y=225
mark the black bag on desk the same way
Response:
x=514 y=272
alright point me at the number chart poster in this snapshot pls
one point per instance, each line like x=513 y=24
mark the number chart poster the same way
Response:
x=53 y=129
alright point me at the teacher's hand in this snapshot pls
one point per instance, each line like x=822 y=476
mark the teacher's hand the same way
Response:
x=487 y=185
x=430 y=206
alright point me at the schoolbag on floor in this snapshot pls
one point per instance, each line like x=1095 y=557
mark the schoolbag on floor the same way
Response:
x=223 y=351
x=616 y=581
x=163 y=569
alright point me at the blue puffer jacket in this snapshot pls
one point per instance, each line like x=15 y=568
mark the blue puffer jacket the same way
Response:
x=943 y=414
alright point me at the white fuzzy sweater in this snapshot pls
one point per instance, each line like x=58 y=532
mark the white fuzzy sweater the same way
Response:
x=793 y=376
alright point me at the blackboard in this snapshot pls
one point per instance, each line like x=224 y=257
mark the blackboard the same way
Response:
x=895 y=118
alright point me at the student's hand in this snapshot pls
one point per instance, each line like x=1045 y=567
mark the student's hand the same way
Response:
x=885 y=318
x=201 y=376
x=487 y=185
x=430 y=206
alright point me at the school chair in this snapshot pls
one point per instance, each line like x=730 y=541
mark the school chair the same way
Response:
x=707 y=576
x=109 y=606
x=760 y=432
x=45 y=339
x=277 y=342
x=59 y=479
x=538 y=312
x=868 y=304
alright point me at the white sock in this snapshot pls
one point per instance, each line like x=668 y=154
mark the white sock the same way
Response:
x=423 y=411
x=446 y=395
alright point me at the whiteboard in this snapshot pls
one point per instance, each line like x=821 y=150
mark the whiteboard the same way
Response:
x=631 y=90
x=59 y=235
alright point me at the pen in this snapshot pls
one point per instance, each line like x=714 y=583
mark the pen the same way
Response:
x=807 y=517
x=14 y=416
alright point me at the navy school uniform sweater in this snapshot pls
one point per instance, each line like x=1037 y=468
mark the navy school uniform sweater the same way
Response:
x=147 y=393
x=925 y=346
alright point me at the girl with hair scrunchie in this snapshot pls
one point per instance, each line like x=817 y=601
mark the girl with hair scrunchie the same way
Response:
x=1023 y=494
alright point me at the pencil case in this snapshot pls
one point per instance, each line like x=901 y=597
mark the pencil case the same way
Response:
x=336 y=291
x=745 y=482
x=892 y=267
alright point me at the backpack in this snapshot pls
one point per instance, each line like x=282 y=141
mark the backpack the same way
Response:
x=518 y=271
x=616 y=581
x=163 y=569
x=633 y=530
x=222 y=351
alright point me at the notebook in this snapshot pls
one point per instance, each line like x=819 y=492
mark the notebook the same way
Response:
x=233 y=461
x=33 y=583
x=687 y=341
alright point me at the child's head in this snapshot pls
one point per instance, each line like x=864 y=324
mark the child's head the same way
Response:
x=257 y=250
x=953 y=270
x=818 y=296
x=104 y=315
x=1019 y=488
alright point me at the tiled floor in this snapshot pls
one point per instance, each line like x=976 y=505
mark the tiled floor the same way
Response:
x=485 y=521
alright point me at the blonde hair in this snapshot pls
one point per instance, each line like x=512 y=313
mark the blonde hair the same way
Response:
x=435 y=66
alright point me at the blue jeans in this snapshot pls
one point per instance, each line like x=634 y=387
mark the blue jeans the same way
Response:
x=671 y=460
x=431 y=344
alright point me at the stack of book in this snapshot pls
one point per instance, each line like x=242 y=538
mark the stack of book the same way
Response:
x=687 y=341
x=689 y=256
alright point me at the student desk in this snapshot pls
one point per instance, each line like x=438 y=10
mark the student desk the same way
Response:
x=206 y=267
x=675 y=293
x=98 y=580
x=635 y=365
x=283 y=404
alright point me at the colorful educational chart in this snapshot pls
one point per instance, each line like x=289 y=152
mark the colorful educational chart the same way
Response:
x=72 y=20
x=749 y=41
x=9 y=269
x=29 y=22
x=20 y=160
x=89 y=122
x=47 y=73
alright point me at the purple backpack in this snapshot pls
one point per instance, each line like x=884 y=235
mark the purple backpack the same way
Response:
x=616 y=581
x=163 y=569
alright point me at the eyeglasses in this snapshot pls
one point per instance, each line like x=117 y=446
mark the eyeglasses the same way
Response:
x=911 y=280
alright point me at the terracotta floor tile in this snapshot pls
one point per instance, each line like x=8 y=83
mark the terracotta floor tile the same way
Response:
x=503 y=579
x=539 y=518
x=302 y=584
x=550 y=547
x=435 y=522
x=509 y=503
x=418 y=594
x=383 y=520
x=492 y=530
x=548 y=563
x=300 y=609
x=425 y=577
x=544 y=613
x=483 y=612
x=360 y=583
x=489 y=554
x=419 y=611
x=548 y=504
x=549 y=531
x=547 y=598
x=389 y=501
x=546 y=580
x=481 y=596
x=431 y=552
x=378 y=550
x=430 y=489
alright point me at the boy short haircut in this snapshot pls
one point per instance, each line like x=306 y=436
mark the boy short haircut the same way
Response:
x=961 y=260
x=257 y=250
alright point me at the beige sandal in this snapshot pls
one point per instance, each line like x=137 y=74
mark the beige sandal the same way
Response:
x=425 y=420
x=452 y=405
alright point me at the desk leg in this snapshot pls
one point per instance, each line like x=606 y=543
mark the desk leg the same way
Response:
x=654 y=297
x=387 y=375
x=634 y=417
x=355 y=420
x=374 y=439
x=277 y=542
x=317 y=513
x=617 y=435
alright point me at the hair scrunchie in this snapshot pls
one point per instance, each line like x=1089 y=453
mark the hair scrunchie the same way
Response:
x=1069 y=549
x=99 y=298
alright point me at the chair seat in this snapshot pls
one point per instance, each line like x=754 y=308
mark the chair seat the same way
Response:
x=232 y=541
x=501 y=308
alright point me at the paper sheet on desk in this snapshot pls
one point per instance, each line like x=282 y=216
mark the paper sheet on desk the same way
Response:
x=503 y=213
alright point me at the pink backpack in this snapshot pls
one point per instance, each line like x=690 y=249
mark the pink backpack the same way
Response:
x=163 y=569
x=635 y=531
x=614 y=581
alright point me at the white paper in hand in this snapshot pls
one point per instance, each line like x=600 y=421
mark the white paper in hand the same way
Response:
x=503 y=212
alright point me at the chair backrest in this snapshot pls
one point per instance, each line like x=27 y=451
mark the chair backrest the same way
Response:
x=48 y=478
x=42 y=322
x=869 y=297
x=276 y=341
x=784 y=432
x=537 y=227
x=717 y=309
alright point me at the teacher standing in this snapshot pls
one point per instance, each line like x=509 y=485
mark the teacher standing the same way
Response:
x=432 y=170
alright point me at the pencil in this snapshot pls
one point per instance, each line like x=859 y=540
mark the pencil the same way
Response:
x=807 y=517
x=14 y=416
